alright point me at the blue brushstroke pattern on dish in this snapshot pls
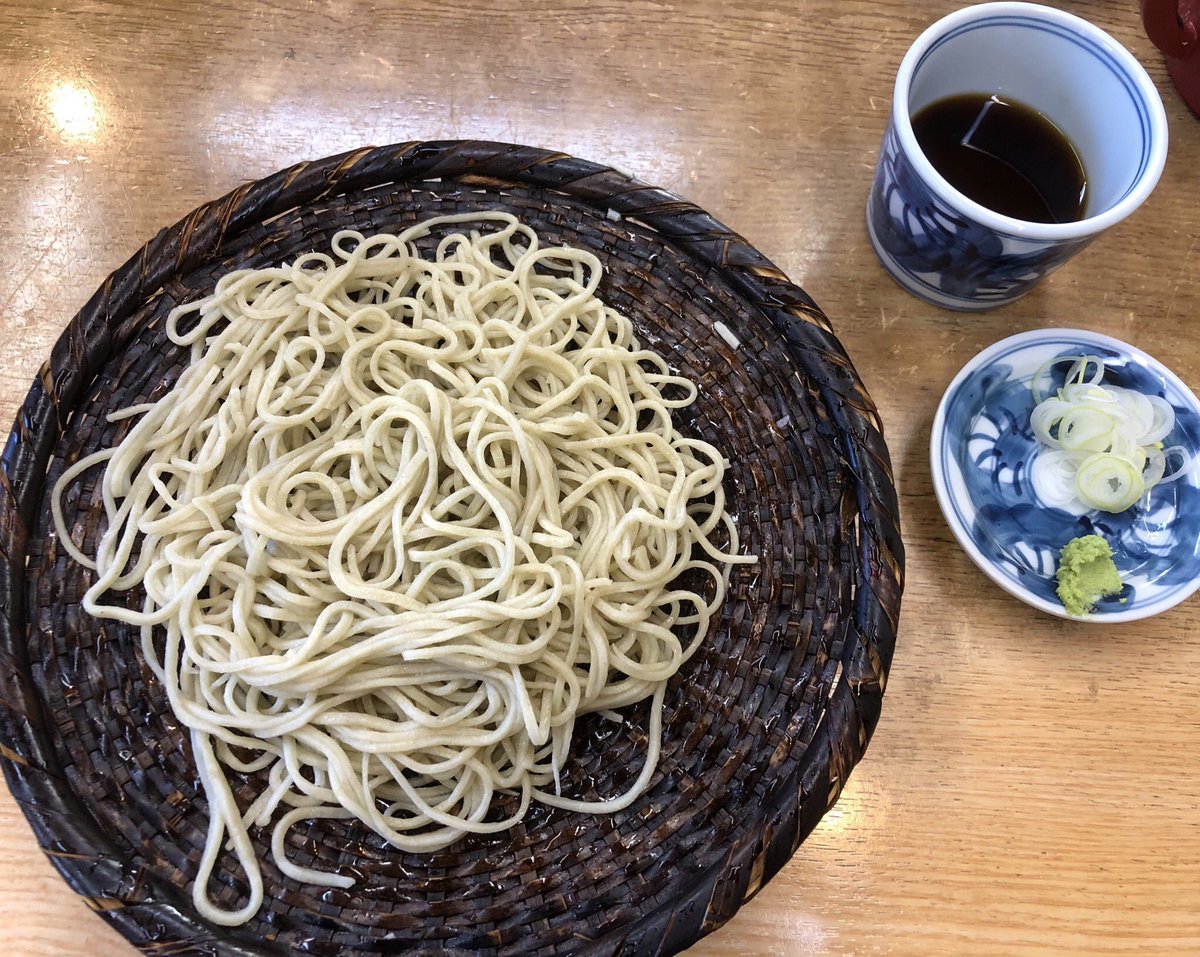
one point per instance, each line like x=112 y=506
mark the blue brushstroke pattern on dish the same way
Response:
x=987 y=433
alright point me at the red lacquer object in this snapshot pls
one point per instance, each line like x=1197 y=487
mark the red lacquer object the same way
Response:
x=1174 y=27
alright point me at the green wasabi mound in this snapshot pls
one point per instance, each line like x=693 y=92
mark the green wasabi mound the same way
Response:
x=1086 y=574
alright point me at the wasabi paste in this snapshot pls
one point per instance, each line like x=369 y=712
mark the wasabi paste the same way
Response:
x=1086 y=573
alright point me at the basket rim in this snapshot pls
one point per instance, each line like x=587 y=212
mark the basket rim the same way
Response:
x=59 y=819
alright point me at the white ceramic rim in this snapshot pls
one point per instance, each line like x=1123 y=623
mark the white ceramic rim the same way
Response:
x=1047 y=232
x=945 y=498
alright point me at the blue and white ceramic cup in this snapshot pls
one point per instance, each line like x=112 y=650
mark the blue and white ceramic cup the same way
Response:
x=951 y=251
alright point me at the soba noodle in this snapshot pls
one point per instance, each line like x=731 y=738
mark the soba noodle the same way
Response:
x=399 y=524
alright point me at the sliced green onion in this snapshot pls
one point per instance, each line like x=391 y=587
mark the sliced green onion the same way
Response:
x=1077 y=372
x=1108 y=482
x=1163 y=422
x=1102 y=444
x=1156 y=466
x=1087 y=428
x=1184 y=466
x=1053 y=477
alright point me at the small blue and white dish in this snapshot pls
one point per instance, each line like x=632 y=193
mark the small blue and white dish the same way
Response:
x=981 y=448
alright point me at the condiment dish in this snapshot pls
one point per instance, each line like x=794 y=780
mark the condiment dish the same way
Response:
x=981 y=448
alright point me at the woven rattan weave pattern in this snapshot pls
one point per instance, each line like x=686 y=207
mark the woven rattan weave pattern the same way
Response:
x=761 y=727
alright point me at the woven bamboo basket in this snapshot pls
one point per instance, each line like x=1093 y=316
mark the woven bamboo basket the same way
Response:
x=762 y=726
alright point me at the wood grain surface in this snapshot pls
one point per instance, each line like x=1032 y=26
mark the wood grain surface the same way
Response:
x=1034 y=784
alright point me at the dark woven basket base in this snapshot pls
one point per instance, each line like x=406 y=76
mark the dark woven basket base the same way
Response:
x=738 y=785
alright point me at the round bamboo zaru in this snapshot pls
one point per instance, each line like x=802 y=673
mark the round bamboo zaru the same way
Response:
x=762 y=726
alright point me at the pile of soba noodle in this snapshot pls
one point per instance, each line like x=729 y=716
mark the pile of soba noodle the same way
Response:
x=399 y=524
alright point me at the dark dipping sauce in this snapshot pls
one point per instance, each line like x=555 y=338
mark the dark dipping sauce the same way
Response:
x=1005 y=156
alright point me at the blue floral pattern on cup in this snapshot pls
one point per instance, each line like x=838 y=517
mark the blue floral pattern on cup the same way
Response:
x=943 y=246
x=983 y=447
x=943 y=256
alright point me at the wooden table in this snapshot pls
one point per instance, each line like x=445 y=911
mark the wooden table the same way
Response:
x=1034 y=785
